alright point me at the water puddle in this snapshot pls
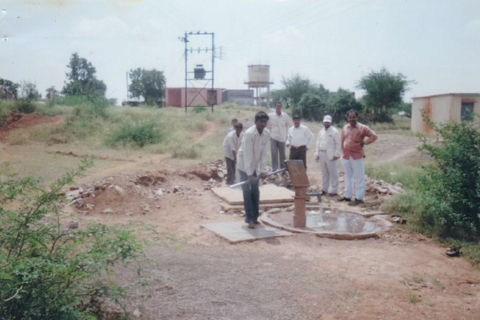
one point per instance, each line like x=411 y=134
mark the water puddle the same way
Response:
x=332 y=221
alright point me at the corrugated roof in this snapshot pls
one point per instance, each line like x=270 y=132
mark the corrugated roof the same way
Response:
x=450 y=94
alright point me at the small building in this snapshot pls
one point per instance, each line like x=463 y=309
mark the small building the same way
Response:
x=442 y=108
x=6 y=94
x=175 y=97
x=244 y=97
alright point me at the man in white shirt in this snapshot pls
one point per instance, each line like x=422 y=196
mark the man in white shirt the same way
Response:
x=251 y=162
x=299 y=140
x=328 y=152
x=278 y=124
x=234 y=122
x=231 y=144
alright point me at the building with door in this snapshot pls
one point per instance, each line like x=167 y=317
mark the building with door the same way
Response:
x=441 y=108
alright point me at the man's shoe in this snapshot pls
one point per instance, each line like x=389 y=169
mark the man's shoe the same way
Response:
x=256 y=222
x=332 y=194
x=251 y=225
x=356 y=202
x=344 y=199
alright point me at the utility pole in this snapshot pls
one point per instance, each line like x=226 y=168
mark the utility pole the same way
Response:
x=127 y=85
x=199 y=73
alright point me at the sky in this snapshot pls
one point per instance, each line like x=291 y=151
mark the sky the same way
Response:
x=435 y=43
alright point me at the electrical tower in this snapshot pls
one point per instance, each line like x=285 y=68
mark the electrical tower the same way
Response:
x=199 y=71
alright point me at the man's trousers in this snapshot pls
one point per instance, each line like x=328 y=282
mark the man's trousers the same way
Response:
x=277 y=147
x=230 y=170
x=329 y=172
x=251 y=197
x=354 y=170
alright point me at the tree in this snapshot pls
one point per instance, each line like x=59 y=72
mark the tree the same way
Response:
x=9 y=85
x=82 y=79
x=310 y=106
x=29 y=91
x=340 y=102
x=384 y=93
x=149 y=84
x=52 y=92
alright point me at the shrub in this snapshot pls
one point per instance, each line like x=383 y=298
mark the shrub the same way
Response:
x=455 y=178
x=139 y=134
x=45 y=271
x=25 y=106
x=199 y=108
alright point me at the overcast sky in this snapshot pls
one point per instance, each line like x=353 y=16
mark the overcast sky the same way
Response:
x=332 y=42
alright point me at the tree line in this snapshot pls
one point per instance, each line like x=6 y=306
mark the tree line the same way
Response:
x=383 y=98
x=81 y=80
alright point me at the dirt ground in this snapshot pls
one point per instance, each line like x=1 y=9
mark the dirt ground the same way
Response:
x=399 y=275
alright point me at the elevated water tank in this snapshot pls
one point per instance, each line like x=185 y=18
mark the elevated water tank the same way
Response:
x=258 y=75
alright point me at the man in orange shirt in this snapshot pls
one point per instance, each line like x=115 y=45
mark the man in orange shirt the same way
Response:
x=353 y=135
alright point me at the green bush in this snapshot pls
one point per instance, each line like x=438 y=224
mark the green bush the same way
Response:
x=25 y=106
x=139 y=134
x=455 y=178
x=47 y=272
x=199 y=108
x=444 y=199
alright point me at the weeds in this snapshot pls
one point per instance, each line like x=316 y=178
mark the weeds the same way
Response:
x=139 y=134
x=199 y=109
x=354 y=293
x=417 y=279
x=440 y=285
x=413 y=298
x=17 y=137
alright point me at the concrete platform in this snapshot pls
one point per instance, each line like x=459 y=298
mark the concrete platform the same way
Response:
x=335 y=223
x=269 y=193
x=238 y=231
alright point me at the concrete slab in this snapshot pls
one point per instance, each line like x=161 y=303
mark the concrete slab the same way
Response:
x=269 y=193
x=238 y=231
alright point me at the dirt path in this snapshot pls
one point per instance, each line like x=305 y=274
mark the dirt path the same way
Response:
x=210 y=127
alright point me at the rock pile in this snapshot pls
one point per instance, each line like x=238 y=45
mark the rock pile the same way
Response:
x=381 y=187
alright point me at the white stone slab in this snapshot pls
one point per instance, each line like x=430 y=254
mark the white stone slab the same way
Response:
x=269 y=193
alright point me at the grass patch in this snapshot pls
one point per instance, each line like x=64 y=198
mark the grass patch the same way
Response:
x=417 y=279
x=399 y=123
x=199 y=108
x=468 y=293
x=395 y=171
x=139 y=134
x=17 y=137
x=440 y=285
x=413 y=298
x=187 y=152
x=354 y=293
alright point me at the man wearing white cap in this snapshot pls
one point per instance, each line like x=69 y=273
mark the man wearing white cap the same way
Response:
x=328 y=151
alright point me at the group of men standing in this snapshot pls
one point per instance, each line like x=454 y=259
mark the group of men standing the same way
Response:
x=248 y=152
